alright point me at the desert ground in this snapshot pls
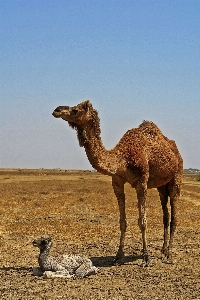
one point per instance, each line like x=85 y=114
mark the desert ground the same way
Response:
x=79 y=211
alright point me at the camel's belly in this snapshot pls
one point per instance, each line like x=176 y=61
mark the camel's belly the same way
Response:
x=155 y=177
x=152 y=181
x=161 y=175
x=156 y=182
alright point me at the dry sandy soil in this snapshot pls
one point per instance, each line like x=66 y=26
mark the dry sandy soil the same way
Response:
x=79 y=211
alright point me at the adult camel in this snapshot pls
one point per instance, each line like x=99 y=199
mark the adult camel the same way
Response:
x=144 y=157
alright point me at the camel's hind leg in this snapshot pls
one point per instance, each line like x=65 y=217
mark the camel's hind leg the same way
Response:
x=163 y=192
x=86 y=269
x=174 y=193
x=172 y=189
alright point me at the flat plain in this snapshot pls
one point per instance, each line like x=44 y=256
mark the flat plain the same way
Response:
x=79 y=211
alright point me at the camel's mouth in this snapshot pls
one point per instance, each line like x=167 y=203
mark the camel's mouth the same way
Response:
x=63 y=115
x=62 y=112
x=56 y=114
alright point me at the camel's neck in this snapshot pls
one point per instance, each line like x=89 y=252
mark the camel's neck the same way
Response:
x=43 y=255
x=101 y=159
x=98 y=156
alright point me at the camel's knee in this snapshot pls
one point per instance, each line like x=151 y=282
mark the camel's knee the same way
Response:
x=86 y=269
x=174 y=190
x=142 y=222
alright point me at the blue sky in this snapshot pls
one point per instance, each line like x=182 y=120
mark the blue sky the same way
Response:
x=135 y=60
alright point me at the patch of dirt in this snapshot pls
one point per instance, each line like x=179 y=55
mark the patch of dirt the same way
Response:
x=79 y=211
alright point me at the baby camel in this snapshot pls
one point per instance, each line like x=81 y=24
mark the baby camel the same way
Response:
x=66 y=265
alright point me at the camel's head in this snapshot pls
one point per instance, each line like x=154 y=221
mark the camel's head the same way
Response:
x=43 y=243
x=83 y=118
x=75 y=115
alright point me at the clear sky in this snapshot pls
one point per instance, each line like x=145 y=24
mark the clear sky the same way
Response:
x=135 y=60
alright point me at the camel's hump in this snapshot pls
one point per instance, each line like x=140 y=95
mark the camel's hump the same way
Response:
x=150 y=129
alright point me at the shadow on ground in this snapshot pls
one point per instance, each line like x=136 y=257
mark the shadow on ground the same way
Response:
x=107 y=261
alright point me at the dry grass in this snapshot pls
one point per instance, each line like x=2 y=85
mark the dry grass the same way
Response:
x=79 y=211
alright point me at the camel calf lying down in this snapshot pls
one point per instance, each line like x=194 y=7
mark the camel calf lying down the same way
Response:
x=66 y=265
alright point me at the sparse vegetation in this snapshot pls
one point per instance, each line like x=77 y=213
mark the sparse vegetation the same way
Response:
x=198 y=177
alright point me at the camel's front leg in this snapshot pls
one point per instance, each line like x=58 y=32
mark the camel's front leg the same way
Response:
x=118 y=187
x=141 y=191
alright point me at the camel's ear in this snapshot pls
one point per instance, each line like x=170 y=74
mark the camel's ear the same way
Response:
x=87 y=105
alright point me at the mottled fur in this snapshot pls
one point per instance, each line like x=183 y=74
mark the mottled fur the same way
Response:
x=66 y=265
x=144 y=157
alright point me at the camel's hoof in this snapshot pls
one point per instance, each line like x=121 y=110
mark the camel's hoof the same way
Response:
x=169 y=259
x=166 y=260
x=119 y=258
x=146 y=260
x=167 y=255
x=144 y=264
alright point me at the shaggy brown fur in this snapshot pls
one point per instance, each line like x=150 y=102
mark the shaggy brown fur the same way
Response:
x=144 y=157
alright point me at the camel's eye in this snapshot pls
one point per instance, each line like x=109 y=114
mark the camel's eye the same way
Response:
x=74 y=110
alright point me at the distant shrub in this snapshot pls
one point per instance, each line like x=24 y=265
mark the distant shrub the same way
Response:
x=198 y=177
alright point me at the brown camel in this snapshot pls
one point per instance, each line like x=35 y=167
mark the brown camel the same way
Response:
x=144 y=157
